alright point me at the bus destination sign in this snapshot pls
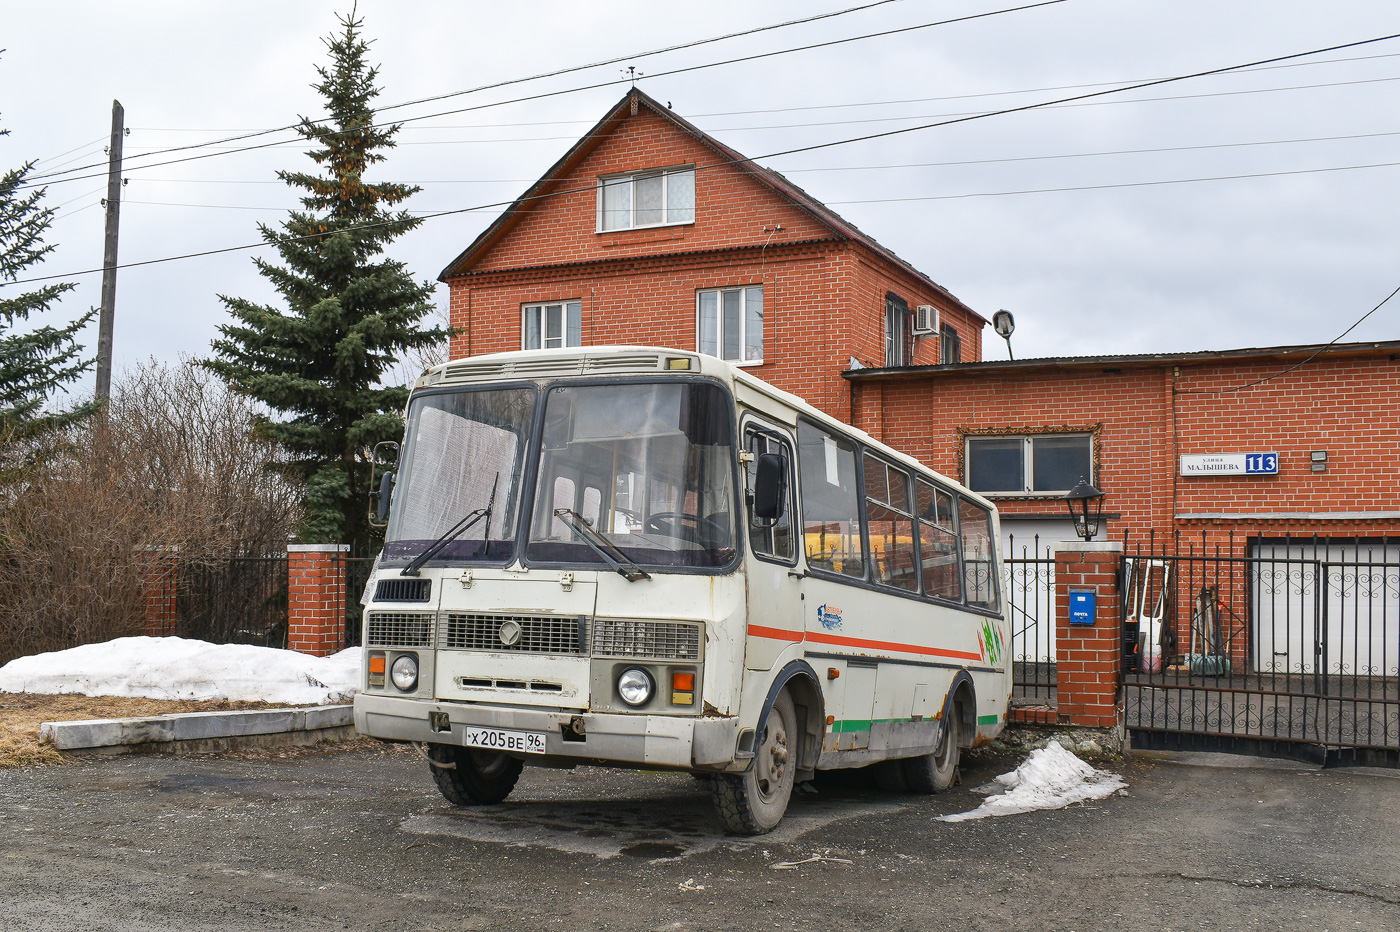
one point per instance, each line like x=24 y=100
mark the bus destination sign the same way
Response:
x=1229 y=464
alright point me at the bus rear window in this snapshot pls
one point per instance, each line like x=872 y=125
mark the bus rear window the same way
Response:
x=979 y=560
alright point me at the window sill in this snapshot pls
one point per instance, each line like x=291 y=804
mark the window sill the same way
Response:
x=651 y=226
x=746 y=364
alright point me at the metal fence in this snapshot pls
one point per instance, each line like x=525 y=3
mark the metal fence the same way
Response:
x=238 y=600
x=1274 y=644
x=1029 y=586
x=357 y=572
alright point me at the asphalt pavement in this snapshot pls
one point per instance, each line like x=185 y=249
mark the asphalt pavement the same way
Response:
x=361 y=840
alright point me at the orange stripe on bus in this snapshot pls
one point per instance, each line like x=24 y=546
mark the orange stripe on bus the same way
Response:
x=777 y=634
x=782 y=634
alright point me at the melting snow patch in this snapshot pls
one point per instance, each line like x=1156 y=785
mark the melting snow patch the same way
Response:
x=179 y=668
x=1051 y=778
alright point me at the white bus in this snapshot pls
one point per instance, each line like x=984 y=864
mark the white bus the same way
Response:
x=648 y=557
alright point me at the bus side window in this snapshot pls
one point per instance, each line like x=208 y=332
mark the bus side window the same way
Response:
x=772 y=540
x=830 y=501
x=938 y=542
x=890 y=524
x=979 y=563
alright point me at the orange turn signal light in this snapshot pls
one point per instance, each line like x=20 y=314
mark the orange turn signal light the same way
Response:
x=376 y=663
x=683 y=682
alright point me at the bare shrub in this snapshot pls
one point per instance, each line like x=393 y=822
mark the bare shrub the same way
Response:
x=174 y=467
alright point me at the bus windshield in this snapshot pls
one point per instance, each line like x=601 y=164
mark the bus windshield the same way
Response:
x=464 y=451
x=648 y=466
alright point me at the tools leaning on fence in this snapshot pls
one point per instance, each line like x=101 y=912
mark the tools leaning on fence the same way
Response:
x=1213 y=656
x=1145 y=606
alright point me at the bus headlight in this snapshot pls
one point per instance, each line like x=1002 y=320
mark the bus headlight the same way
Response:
x=635 y=686
x=404 y=672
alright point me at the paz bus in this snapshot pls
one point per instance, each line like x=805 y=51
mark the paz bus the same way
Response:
x=648 y=557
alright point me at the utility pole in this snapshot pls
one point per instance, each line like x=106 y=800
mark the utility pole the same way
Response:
x=109 y=255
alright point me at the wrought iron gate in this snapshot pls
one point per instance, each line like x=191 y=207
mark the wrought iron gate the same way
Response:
x=1280 y=646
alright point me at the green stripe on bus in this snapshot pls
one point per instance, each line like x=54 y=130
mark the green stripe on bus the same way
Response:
x=857 y=724
x=988 y=719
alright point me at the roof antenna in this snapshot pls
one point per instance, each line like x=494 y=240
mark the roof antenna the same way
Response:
x=1005 y=325
x=633 y=74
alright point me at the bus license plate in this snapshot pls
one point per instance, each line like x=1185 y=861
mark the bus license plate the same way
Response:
x=498 y=739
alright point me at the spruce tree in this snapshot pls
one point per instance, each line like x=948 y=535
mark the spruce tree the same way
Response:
x=35 y=361
x=318 y=365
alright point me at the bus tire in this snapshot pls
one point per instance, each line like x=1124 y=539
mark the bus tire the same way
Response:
x=753 y=802
x=936 y=772
x=473 y=777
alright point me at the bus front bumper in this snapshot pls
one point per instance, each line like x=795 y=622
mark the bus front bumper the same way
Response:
x=655 y=740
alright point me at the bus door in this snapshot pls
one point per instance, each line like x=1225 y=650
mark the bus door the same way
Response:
x=838 y=616
x=774 y=602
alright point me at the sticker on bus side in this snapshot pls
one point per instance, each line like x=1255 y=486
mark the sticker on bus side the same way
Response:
x=829 y=616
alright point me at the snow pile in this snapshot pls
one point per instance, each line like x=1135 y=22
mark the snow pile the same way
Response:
x=177 y=668
x=1051 y=778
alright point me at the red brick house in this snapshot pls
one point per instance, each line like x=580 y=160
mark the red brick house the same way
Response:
x=650 y=231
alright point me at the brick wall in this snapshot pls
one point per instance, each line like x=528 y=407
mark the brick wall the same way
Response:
x=1146 y=417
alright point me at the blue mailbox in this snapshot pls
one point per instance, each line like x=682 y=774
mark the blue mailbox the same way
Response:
x=1081 y=606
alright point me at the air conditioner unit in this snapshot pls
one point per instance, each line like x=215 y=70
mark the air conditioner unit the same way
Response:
x=925 y=319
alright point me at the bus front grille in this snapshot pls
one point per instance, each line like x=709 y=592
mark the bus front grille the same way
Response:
x=399 y=629
x=668 y=640
x=530 y=634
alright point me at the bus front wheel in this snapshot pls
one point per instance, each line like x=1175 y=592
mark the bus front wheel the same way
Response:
x=471 y=777
x=936 y=772
x=753 y=802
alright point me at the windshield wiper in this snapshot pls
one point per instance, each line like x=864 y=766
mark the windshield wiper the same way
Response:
x=617 y=560
x=456 y=531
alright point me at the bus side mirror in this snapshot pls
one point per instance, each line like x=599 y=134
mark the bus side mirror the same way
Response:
x=386 y=492
x=768 y=488
x=383 y=463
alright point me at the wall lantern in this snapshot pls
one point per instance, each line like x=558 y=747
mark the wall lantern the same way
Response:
x=1085 y=504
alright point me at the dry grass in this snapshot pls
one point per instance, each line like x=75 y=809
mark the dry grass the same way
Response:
x=22 y=713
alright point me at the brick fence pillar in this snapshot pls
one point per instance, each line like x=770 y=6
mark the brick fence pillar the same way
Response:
x=1088 y=658
x=158 y=597
x=316 y=598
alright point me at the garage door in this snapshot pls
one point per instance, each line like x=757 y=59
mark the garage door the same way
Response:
x=1326 y=607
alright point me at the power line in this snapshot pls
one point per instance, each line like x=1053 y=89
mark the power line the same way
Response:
x=1126 y=184
x=501 y=140
x=865 y=103
x=743 y=160
x=1292 y=368
x=548 y=94
x=499 y=84
x=896 y=165
x=931 y=197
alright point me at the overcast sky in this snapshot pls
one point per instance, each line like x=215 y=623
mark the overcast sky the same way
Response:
x=1135 y=257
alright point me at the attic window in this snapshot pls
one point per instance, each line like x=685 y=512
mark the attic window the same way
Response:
x=661 y=197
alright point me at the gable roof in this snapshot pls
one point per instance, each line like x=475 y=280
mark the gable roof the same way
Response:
x=630 y=103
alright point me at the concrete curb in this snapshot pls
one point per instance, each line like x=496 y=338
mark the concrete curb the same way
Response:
x=329 y=720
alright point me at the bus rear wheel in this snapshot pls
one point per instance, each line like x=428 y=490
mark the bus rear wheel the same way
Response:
x=471 y=777
x=753 y=802
x=936 y=772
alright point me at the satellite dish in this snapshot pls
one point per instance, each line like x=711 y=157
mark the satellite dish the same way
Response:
x=1004 y=324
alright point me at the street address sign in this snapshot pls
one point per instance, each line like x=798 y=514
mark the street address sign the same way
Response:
x=1229 y=464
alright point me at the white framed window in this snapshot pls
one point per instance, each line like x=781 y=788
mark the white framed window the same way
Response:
x=729 y=323
x=656 y=198
x=949 y=345
x=898 y=341
x=557 y=323
x=1030 y=464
